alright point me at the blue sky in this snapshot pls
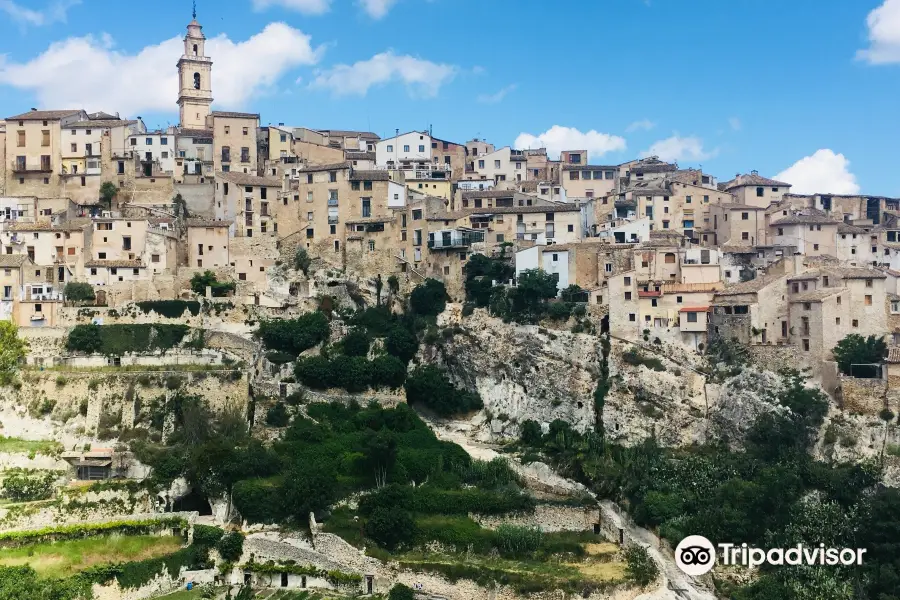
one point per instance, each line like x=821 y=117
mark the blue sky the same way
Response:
x=733 y=85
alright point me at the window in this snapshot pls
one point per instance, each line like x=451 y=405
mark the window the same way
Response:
x=837 y=320
x=496 y=164
x=627 y=280
x=760 y=192
x=571 y=228
x=480 y=163
x=74 y=147
x=745 y=235
x=745 y=216
x=868 y=283
x=371 y=245
x=332 y=176
x=148 y=141
x=163 y=141
x=692 y=317
x=20 y=139
x=421 y=148
x=632 y=317
x=687 y=200
x=855 y=323
x=665 y=224
x=246 y=130
x=868 y=300
x=354 y=185
x=628 y=295
x=406 y=147
x=574 y=175
x=806 y=345
x=390 y=148
x=367 y=186
x=780 y=231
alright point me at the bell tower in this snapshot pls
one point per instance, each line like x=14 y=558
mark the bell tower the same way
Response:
x=194 y=74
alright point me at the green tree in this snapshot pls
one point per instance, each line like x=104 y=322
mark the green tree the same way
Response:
x=388 y=371
x=12 y=351
x=533 y=288
x=294 y=335
x=428 y=298
x=393 y=285
x=200 y=281
x=302 y=261
x=231 y=546
x=108 y=191
x=314 y=371
x=356 y=343
x=428 y=385
x=277 y=415
x=857 y=350
x=391 y=529
x=180 y=207
x=640 y=566
x=84 y=338
x=573 y=293
x=308 y=488
x=402 y=343
x=79 y=291
x=379 y=285
x=530 y=433
x=401 y=592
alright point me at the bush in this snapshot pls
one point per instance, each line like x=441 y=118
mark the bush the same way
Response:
x=429 y=298
x=353 y=373
x=219 y=289
x=23 y=485
x=172 y=309
x=428 y=385
x=391 y=528
x=559 y=310
x=116 y=340
x=277 y=357
x=207 y=536
x=277 y=416
x=77 y=291
x=231 y=546
x=518 y=541
x=402 y=343
x=356 y=343
x=258 y=500
x=401 y=592
x=294 y=335
x=388 y=371
x=314 y=372
x=640 y=566
x=302 y=261
x=84 y=338
x=468 y=308
x=530 y=433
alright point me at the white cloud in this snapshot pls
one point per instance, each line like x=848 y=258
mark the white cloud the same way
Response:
x=678 y=148
x=735 y=124
x=306 y=7
x=55 y=12
x=884 y=34
x=86 y=72
x=559 y=138
x=421 y=77
x=377 y=8
x=496 y=96
x=823 y=172
x=642 y=125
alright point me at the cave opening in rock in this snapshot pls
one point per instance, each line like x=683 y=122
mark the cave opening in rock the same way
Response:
x=193 y=501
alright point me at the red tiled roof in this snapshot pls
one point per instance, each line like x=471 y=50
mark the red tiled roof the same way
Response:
x=694 y=309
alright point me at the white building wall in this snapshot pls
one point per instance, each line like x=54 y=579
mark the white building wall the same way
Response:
x=393 y=149
x=528 y=259
x=396 y=195
x=557 y=263
x=152 y=142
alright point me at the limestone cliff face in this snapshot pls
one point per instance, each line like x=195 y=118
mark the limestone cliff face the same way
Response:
x=521 y=371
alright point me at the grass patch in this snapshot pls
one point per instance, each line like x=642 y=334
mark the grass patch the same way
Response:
x=63 y=559
x=11 y=445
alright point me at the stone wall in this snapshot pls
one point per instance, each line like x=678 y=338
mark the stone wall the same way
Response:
x=864 y=396
x=774 y=357
x=72 y=507
x=548 y=517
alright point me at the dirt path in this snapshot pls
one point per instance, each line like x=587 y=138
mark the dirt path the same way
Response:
x=674 y=584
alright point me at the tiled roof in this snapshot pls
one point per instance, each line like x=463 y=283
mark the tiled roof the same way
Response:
x=847 y=228
x=235 y=115
x=43 y=115
x=195 y=132
x=673 y=288
x=369 y=176
x=247 y=179
x=805 y=276
x=506 y=210
x=851 y=273
x=805 y=220
x=694 y=309
x=358 y=155
x=748 y=287
x=738 y=249
x=75 y=225
x=8 y=261
x=366 y=135
x=753 y=179
x=739 y=206
x=653 y=166
x=99 y=124
x=489 y=194
x=367 y=220
x=327 y=167
x=814 y=295
x=115 y=264
x=207 y=223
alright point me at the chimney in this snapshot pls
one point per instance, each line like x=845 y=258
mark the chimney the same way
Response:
x=754 y=172
x=33 y=110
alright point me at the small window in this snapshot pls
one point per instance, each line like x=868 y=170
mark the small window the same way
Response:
x=628 y=295
x=855 y=323
x=632 y=317
x=868 y=300
x=806 y=345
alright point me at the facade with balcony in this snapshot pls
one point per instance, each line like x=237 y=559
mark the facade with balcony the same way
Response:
x=454 y=239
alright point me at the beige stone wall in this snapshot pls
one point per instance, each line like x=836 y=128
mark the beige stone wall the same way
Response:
x=548 y=517
x=864 y=396
x=214 y=243
x=235 y=133
x=317 y=154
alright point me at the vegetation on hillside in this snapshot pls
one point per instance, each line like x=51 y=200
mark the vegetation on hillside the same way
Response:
x=200 y=281
x=12 y=351
x=863 y=352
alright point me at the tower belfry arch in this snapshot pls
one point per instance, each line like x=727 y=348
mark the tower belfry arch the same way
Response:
x=194 y=78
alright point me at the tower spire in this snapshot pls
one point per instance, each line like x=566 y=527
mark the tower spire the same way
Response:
x=194 y=13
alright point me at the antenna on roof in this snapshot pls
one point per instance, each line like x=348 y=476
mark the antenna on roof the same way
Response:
x=194 y=13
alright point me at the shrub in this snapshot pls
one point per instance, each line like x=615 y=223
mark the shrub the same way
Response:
x=428 y=298
x=172 y=309
x=231 y=546
x=391 y=528
x=428 y=385
x=173 y=382
x=402 y=343
x=258 y=500
x=294 y=335
x=314 y=371
x=23 y=485
x=77 y=291
x=401 y=592
x=219 y=289
x=518 y=541
x=61 y=381
x=353 y=373
x=468 y=308
x=302 y=261
x=277 y=357
x=530 y=433
x=388 y=371
x=277 y=416
x=84 y=338
x=356 y=343
x=559 y=310
x=640 y=566
x=116 y=340
x=207 y=536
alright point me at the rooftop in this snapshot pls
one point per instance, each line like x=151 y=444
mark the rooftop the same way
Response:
x=247 y=179
x=366 y=135
x=814 y=295
x=99 y=124
x=114 y=264
x=12 y=260
x=207 y=223
x=805 y=220
x=748 y=287
x=505 y=210
x=75 y=225
x=369 y=176
x=589 y=167
x=325 y=167
x=893 y=355
x=43 y=115
x=694 y=309
x=753 y=178
x=234 y=115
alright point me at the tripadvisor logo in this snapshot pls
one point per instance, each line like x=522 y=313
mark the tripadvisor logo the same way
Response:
x=696 y=555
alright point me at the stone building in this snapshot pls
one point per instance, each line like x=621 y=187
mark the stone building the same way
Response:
x=234 y=141
x=207 y=243
x=34 y=151
x=194 y=79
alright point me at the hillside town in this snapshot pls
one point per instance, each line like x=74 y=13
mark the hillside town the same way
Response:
x=656 y=249
x=293 y=358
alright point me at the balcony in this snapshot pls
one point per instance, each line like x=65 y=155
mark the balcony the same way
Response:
x=332 y=220
x=332 y=202
x=226 y=157
x=26 y=166
x=445 y=240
